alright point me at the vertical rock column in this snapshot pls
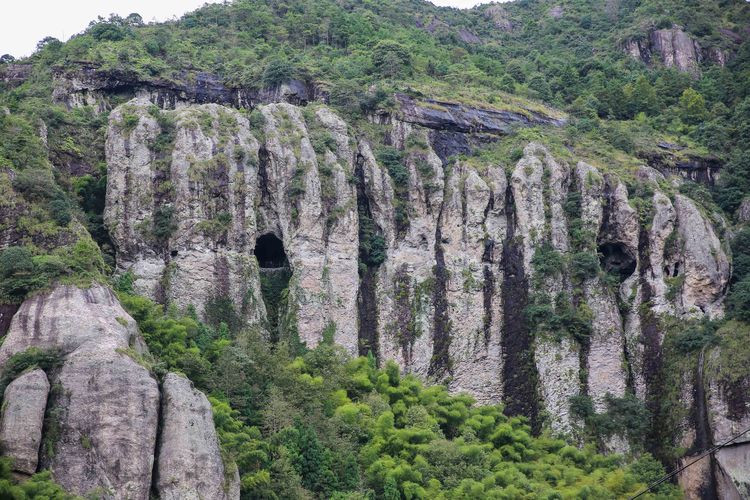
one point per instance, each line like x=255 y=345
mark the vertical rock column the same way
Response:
x=189 y=465
x=24 y=402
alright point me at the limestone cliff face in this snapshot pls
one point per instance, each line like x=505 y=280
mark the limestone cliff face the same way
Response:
x=103 y=410
x=468 y=250
x=179 y=205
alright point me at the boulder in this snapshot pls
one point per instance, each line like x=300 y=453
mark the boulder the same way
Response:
x=107 y=414
x=54 y=321
x=24 y=402
x=190 y=465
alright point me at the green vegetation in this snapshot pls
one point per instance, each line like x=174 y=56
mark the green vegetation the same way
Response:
x=37 y=487
x=393 y=160
x=303 y=423
x=324 y=425
x=29 y=359
x=22 y=272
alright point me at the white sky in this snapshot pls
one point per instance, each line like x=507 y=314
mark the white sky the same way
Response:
x=24 y=22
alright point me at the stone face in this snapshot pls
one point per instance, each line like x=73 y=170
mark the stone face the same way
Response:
x=706 y=266
x=459 y=238
x=66 y=319
x=24 y=402
x=109 y=410
x=204 y=186
x=104 y=408
x=743 y=212
x=190 y=464
x=677 y=49
x=606 y=363
x=450 y=116
x=733 y=462
x=106 y=404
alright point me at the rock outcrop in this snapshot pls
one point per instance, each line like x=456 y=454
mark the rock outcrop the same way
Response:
x=675 y=49
x=462 y=246
x=436 y=304
x=440 y=115
x=189 y=465
x=87 y=84
x=103 y=410
x=24 y=402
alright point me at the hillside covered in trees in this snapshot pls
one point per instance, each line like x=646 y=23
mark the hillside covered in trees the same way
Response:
x=398 y=250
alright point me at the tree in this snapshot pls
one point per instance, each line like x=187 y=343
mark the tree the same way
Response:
x=134 y=19
x=276 y=72
x=739 y=300
x=390 y=58
x=642 y=97
x=48 y=42
x=390 y=489
x=692 y=107
x=16 y=272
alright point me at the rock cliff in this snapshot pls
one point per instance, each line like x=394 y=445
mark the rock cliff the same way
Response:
x=99 y=425
x=538 y=283
x=530 y=285
x=21 y=421
x=674 y=48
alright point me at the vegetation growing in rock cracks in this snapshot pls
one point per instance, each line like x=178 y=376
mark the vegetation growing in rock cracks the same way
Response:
x=315 y=423
x=320 y=423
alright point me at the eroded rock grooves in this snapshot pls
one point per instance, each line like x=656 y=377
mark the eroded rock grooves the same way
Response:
x=519 y=370
x=102 y=415
x=435 y=271
x=440 y=362
x=368 y=272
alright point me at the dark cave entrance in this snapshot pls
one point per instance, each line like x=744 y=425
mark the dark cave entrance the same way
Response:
x=274 y=280
x=616 y=259
x=269 y=250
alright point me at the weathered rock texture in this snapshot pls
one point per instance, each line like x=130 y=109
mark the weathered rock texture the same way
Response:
x=464 y=242
x=87 y=84
x=103 y=411
x=675 y=49
x=189 y=464
x=22 y=417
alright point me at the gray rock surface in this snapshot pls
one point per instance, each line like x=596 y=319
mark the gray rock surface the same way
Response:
x=24 y=402
x=190 y=464
x=743 y=212
x=677 y=49
x=108 y=415
x=105 y=406
x=706 y=267
x=68 y=318
x=436 y=303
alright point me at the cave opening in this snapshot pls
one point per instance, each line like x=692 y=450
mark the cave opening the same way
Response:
x=274 y=280
x=269 y=250
x=615 y=258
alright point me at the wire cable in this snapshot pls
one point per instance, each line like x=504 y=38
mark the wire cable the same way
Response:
x=674 y=473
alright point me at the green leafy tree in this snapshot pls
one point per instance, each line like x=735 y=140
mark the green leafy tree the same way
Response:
x=391 y=58
x=692 y=107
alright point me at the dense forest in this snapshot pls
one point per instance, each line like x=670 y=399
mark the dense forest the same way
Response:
x=304 y=422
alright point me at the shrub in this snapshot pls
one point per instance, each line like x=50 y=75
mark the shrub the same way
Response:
x=547 y=261
x=390 y=58
x=30 y=358
x=584 y=265
x=739 y=300
x=164 y=224
x=276 y=72
x=17 y=276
